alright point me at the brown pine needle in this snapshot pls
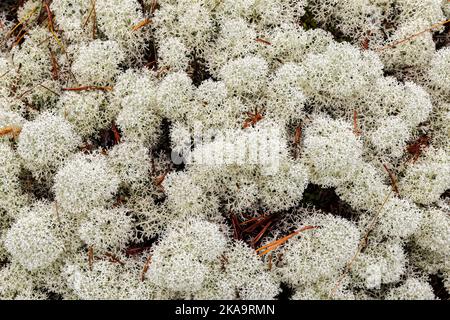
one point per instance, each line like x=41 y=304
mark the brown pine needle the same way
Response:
x=153 y=7
x=89 y=15
x=297 y=139
x=141 y=24
x=275 y=244
x=25 y=19
x=237 y=231
x=412 y=37
x=146 y=266
x=361 y=245
x=263 y=41
x=19 y=38
x=162 y=71
x=356 y=130
x=50 y=18
x=89 y=88
x=57 y=212
x=55 y=66
x=114 y=258
x=393 y=179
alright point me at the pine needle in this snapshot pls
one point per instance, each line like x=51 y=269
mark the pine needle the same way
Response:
x=275 y=244
x=412 y=37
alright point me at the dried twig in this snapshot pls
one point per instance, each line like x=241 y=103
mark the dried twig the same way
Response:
x=393 y=179
x=237 y=231
x=57 y=212
x=116 y=133
x=114 y=258
x=13 y=130
x=356 y=129
x=275 y=244
x=91 y=257
x=263 y=41
x=416 y=148
x=146 y=266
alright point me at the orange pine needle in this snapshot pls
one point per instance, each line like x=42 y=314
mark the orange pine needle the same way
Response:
x=141 y=24
x=412 y=37
x=116 y=133
x=249 y=221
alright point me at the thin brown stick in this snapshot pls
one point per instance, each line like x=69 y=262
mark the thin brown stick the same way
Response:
x=393 y=179
x=361 y=246
x=116 y=133
x=398 y=42
x=94 y=21
x=15 y=131
x=141 y=24
x=89 y=15
x=48 y=89
x=50 y=18
x=153 y=7
x=297 y=139
x=114 y=258
x=90 y=257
